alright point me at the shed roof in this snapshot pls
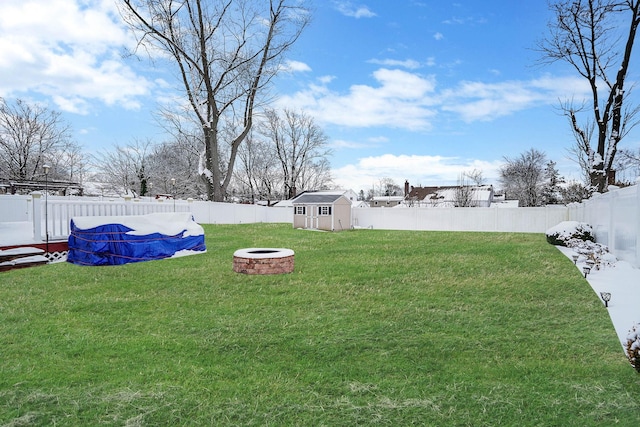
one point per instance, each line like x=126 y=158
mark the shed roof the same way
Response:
x=316 y=198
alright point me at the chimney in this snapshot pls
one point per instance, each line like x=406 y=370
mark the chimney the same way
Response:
x=406 y=187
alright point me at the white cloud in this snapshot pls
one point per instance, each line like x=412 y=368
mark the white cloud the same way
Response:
x=438 y=36
x=477 y=101
x=341 y=144
x=370 y=142
x=400 y=100
x=418 y=170
x=348 y=9
x=407 y=63
x=411 y=101
x=68 y=50
x=295 y=66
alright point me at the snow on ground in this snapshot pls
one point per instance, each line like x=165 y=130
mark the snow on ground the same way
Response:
x=168 y=224
x=618 y=278
x=16 y=233
x=622 y=281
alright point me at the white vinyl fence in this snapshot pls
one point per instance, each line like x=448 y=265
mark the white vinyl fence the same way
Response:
x=615 y=216
x=528 y=220
x=52 y=214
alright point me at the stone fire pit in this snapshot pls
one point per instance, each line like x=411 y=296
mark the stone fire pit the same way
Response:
x=263 y=261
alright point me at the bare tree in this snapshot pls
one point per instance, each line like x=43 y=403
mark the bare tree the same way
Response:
x=629 y=160
x=522 y=177
x=176 y=160
x=300 y=147
x=388 y=187
x=30 y=136
x=588 y=35
x=317 y=175
x=259 y=175
x=125 y=167
x=70 y=163
x=463 y=193
x=475 y=176
x=226 y=53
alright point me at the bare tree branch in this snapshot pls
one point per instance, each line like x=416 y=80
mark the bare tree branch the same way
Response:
x=586 y=34
x=226 y=53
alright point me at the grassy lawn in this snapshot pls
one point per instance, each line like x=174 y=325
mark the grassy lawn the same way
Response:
x=373 y=327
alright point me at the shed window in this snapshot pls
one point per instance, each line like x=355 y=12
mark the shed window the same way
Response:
x=301 y=210
x=325 y=210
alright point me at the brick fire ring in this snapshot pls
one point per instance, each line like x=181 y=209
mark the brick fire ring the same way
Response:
x=263 y=261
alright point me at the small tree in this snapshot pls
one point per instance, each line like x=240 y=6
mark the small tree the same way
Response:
x=463 y=195
x=574 y=192
x=550 y=192
x=258 y=174
x=522 y=177
x=629 y=160
x=176 y=159
x=31 y=136
x=300 y=147
x=125 y=167
x=475 y=176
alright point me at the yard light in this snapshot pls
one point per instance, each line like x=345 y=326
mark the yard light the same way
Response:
x=575 y=258
x=606 y=297
x=590 y=263
x=586 y=269
x=46 y=168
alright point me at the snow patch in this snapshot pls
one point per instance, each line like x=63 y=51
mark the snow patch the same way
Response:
x=168 y=224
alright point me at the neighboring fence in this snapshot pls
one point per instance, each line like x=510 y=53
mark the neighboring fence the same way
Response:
x=52 y=215
x=528 y=220
x=615 y=216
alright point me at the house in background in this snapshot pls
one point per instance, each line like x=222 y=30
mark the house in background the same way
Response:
x=322 y=210
x=385 y=201
x=449 y=196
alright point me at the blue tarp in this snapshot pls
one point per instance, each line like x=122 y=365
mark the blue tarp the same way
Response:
x=118 y=240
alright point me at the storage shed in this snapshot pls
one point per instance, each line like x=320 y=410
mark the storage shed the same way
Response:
x=322 y=211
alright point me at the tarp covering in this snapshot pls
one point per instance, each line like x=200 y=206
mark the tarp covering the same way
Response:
x=115 y=240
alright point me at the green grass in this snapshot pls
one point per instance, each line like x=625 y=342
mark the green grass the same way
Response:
x=372 y=328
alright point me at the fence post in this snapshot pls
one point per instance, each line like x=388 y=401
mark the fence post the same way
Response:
x=37 y=213
x=128 y=205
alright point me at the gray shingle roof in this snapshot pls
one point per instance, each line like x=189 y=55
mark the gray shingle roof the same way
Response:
x=310 y=198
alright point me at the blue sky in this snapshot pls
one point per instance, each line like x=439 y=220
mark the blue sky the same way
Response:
x=406 y=89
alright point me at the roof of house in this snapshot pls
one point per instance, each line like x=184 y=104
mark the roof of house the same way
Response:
x=387 y=198
x=448 y=192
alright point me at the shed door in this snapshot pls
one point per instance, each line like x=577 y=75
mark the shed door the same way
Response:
x=311 y=219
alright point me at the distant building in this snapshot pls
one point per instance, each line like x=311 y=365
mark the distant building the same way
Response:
x=448 y=196
x=322 y=210
x=385 y=201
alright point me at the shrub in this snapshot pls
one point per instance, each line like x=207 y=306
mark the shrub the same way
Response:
x=632 y=347
x=568 y=231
